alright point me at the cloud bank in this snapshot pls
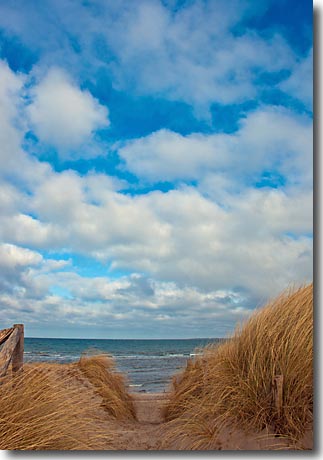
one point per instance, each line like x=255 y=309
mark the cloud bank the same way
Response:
x=106 y=231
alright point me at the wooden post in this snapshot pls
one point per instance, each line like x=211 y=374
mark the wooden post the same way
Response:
x=4 y=334
x=7 y=350
x=277 y=388
x=18 y=353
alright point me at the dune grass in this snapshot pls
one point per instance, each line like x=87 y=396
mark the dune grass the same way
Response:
x=60 y=406
x=232 y=383
x=110 y=385
x=43 y=409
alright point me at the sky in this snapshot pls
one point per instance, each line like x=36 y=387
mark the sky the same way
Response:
x=155 y=164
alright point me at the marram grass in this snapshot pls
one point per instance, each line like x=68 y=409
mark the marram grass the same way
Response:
x=59 y=407
x=231 y=383
x=110 y=385
x=79 y=406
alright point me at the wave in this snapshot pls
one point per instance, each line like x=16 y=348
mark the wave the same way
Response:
x=148 y=356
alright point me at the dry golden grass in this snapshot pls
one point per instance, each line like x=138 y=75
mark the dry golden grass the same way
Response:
x=230 y=384
x=111 y=386
x=60 y=407
x=43 y=409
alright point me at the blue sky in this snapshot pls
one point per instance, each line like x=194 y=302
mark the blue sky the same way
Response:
x=156 y=163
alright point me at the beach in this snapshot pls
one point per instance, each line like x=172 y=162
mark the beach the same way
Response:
x=253 y=391
x=148 y=364
x=157 y=225
x=148 y=429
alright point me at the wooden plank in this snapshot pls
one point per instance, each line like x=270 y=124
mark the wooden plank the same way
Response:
x=4 y=334
x=18 y=353
x=7 y=351
x=277 y=388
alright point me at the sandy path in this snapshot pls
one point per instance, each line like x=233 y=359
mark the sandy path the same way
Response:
x=144 y=433
x=148 y=430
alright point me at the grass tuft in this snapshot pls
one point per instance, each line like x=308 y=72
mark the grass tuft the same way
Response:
x=60 y=406
x=231 y=383
x=43 y=409
x=110 y=385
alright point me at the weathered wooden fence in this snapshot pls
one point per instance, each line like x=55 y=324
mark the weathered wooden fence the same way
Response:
x=13 y=348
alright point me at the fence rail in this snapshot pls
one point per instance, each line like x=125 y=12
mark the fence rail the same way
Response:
x=13 y=348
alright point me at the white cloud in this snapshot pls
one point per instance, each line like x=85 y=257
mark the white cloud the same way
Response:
x=115 y=303
x=190 y=248
x=165 y=155
x=242 y=245
x=253 y=244
x=9 y=88
x=300 y=84
x=15 y=271
x=65 y=116
x=89 y=220
x=203 y=255
x=12 y=256
x=269 y=138
x=23 y=229
x=184 y=61
x=181 y=235
x=151 y=48
x=14 y=161
x=10 y=199
x=10 y=135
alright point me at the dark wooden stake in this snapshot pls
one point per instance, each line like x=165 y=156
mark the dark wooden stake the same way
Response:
x=18 y=353
x=7 y=351
x=277 y=389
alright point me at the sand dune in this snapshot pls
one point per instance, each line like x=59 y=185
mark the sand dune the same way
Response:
x=223 y=400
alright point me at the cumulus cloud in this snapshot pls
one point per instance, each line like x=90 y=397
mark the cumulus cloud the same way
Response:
x=13 y=256
x=15 y=276
x=134 y=299
x=205 y=254
x=300 y=84
x=10 y=134
x=164 y=50
x=190 y=245
x=184 y=61
x=9 y=88
x=269 y=138
x=190 y=248
x=22 y=228
x=181 y=235
x=63 y=115
x=213 y=246
x=13 y=127
x=166 y=155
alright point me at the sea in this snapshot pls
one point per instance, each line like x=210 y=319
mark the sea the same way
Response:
x=149 y=364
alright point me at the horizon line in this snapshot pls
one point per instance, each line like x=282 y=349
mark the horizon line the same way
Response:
x=120 y=338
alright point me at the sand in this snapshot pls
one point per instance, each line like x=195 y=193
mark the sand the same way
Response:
x=145 y=432
x=148 y=431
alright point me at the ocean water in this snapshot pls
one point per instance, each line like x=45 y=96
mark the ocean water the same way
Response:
x=148 y=364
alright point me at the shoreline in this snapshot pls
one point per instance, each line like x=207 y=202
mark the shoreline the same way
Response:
x=149 y=430
x=148 y=364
